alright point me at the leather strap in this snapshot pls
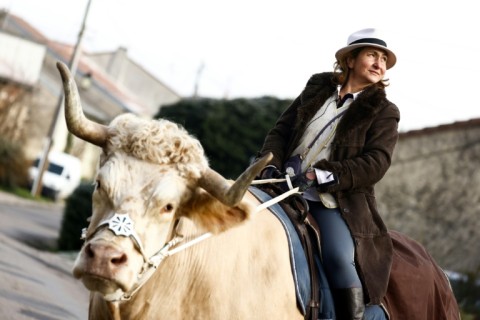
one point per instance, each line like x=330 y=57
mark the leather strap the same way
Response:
x=296 y=208
x=302 y=227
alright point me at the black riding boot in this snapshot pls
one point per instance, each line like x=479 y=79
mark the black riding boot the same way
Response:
x=349 y=303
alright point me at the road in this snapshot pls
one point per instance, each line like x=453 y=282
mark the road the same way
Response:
x=36 y=284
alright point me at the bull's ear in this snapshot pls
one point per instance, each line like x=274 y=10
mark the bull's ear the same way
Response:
x=213 y=216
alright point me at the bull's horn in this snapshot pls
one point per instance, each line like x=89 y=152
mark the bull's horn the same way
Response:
x=77 y=123
x=232 y=194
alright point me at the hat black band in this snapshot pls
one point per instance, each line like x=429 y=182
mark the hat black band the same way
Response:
x=371 y=41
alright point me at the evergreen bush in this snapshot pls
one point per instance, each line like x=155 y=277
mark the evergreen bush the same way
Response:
x=230 y=131
x=78 y=208
x=467 y=293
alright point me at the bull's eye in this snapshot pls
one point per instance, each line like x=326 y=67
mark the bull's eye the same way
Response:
x=97 y=184
x=168 y=207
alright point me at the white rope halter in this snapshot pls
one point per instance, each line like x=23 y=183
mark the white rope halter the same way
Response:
x=122 y=225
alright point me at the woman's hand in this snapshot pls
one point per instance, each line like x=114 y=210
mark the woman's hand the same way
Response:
x=271 y=172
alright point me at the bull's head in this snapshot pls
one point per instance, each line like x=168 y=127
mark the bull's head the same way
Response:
x=97 y=134
x=144 y=196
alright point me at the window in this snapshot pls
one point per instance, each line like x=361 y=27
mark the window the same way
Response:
x=52 y=167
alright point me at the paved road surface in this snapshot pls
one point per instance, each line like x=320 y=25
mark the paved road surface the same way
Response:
x=35 y=284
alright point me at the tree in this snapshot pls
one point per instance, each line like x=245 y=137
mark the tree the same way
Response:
x=13 y=165
x=231 y=131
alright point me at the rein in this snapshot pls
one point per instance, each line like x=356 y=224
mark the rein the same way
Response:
x=123 y=225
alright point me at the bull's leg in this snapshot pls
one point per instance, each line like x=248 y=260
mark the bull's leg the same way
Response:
x=338 y=260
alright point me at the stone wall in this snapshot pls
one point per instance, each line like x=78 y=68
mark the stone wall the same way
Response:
x=432 y=192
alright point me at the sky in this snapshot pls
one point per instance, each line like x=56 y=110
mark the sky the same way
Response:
x=254 y=48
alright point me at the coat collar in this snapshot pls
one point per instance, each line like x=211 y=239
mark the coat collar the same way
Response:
x=362 y=110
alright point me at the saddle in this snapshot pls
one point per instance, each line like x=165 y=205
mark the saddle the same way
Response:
x=418 y=288
x=308 y=231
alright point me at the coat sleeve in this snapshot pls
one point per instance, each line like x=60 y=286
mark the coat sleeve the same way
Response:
x=370 y=165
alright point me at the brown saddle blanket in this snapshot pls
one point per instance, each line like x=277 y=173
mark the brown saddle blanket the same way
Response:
x=418 y=288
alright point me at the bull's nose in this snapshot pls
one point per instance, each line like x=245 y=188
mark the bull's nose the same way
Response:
x=105 y=255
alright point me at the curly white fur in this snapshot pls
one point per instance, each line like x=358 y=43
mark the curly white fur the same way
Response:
x=158 y=141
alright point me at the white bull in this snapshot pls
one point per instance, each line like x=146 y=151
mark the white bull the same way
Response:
x=154 y=185
x=155 y=196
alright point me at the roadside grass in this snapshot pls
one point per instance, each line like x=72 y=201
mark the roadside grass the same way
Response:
x=25 y=194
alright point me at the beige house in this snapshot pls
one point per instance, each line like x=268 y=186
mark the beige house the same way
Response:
x=110 y=83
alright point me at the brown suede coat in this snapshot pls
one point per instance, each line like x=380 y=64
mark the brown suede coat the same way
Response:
x=361 y=154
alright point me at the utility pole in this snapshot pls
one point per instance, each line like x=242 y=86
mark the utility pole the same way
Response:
x=72 y=65
x=197 y=80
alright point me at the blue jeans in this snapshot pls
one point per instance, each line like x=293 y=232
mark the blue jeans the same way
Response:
x=374 y=312
x=338 y=251
x=337 y=247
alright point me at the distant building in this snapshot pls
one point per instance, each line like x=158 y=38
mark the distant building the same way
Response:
x=20 y=65
x=20 y=60
x=109 y=84
x=129 y=74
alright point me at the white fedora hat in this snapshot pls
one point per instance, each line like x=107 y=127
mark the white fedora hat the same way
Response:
x=367 y=38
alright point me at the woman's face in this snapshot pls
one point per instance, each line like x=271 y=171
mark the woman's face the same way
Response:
x=368 y=67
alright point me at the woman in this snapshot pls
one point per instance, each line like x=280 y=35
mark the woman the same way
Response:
x=346 y=130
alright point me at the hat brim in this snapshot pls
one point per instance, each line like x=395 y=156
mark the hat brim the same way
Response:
x=391 y=58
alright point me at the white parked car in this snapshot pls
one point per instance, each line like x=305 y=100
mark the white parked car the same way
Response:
x=62 y=176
